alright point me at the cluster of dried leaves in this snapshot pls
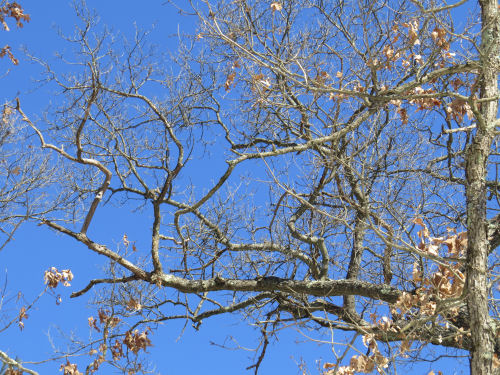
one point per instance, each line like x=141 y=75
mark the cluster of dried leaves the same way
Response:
x=134 y=340
x=440 y=289
x=426 y=99
x=276 y=6
x=11 y=10
x=53 y=277
x=407 y=33
x=6 y=114
x=105 y=319
x=13 y=371
x=69 y=369
x=21 y=317
x=361 y=363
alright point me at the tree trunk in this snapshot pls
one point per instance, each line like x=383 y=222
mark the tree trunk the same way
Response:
x=482 y=331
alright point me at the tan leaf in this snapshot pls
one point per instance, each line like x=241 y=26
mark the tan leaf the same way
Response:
x=117 y=350
x=362 y=363
x=416 y=273
x=418 y=221
x=345 y=370
x=433 y=249
x=405 y=346
x=388 y=51
x=136 y=340
x=380 y=360
x=70 y=369
x=6 y=51
x=276 y=7
x=105 y=318
x=424 y=233
x=370 y=342
x=384 y=323
x=93 y=323
x=229 y=81
x=429 y=308
x=133 y=305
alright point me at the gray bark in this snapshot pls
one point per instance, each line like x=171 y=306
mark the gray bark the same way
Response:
x=482 y=330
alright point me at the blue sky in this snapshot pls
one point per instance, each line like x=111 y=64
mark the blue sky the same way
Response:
x=36 y=249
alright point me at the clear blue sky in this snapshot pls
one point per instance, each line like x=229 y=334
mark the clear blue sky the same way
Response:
x=36 y=249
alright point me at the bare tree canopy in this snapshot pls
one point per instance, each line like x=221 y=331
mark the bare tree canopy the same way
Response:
x=328 y=165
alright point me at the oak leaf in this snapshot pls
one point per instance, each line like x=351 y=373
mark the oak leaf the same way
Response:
x=276 y=7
